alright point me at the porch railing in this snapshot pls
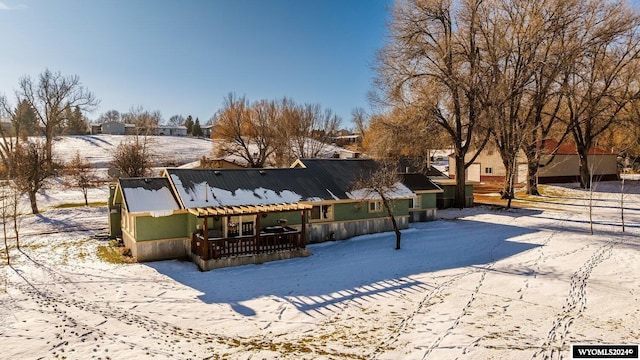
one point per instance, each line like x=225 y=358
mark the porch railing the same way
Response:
x=219 y=248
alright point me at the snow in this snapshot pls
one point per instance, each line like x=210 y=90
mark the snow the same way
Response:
x=398 y=191
x=98 y=149
x=159 y=201
x=204 y=195
x=478 y=283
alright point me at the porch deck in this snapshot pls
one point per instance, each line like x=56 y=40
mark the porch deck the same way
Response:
x=267 y=241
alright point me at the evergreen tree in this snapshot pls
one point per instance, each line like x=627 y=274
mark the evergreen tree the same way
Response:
x=76 y=123
x=189 y=125
x=197 y=130
x=25 y=122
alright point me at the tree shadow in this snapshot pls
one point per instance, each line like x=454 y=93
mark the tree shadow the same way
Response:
x=357 y=269
x=95 y=140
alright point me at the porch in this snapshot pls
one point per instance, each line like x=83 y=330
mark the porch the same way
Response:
x=242 y=236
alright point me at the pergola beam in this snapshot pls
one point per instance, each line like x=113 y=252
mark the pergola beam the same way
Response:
x=247 y=209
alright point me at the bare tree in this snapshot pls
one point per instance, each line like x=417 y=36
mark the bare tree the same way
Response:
x=145 y=121
x=111 y=115
x=248 y=131
x=132 y=157
x=5 y=210
x=360 y=119
x=602 y=83
x=49 y=97
x=304 y=131
x=432 y=61
x=401 y=133
x=31 y=170
x=381 y=183
x=83 y=175
x=176 y=120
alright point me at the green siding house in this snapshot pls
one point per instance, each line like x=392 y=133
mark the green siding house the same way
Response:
x=228 y=217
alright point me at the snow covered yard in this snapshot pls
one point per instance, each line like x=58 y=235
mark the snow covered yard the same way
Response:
x=479 y=283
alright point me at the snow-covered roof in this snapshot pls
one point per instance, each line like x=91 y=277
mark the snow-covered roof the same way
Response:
x=152 y=195
x=322 y=180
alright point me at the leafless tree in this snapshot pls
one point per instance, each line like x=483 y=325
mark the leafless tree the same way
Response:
x=381 y=183
x=83 y=175
x=133 y=157
x=49 y=96
x=304 y=131
x=5 y=211
x=111 y=115
x=602 y=83
x=145 y=121
x=432 y=61
x=176 y=120
x=360 y=119
x=248 y=131
x=401 y=133
x=31 y=170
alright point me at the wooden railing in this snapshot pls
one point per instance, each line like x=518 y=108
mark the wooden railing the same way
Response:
x=247 y=245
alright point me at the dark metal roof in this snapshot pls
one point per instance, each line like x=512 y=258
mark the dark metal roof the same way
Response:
x=309 y=184
x=419 y=165
x=339 y=175
x=419 y=182
x=153 y=183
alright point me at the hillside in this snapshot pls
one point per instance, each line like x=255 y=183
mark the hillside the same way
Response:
x=97 y=149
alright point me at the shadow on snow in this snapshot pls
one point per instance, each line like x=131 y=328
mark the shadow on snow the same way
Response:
x=355 y=269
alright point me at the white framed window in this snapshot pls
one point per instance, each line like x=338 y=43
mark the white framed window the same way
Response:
x=321 y=213
x=414 y=203
x=488 y=170
x=375 y=206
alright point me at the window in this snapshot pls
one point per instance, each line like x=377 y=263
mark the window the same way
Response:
x=375 y=206
x=322 y=212
x=488 y=170
x=240 y=226
x=414 y=203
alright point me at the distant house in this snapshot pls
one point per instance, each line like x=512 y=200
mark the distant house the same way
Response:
x=207 y=130
x=560 y=163
x=424 y=203
x=446 y=197
x=344 y=140
x=169 y=130
x=112 y=128
x=226 y=217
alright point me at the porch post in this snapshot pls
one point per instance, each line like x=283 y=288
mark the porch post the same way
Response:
x=256 y=238
x=205 y=235
x=303 y=238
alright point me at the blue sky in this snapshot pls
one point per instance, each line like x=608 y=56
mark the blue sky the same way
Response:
x=183 y=57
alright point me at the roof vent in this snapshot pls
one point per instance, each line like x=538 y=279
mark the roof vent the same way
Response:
x=262 y=172
x=218 y=173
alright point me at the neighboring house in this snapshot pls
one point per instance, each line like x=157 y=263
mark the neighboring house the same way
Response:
x=230 y=217
x=445 y=198
x=344 y=140
x=113 y=128
x=559 y=163
x=207 y=130
x=169 y=130
x=424 y=203
x=219 y=163
x=96 y=129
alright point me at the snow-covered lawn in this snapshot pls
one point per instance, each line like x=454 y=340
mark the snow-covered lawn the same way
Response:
x=479 y=283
